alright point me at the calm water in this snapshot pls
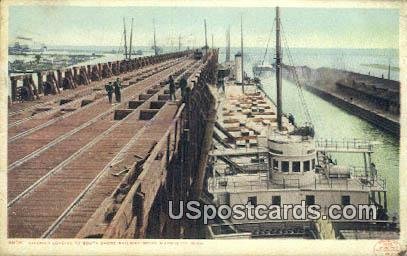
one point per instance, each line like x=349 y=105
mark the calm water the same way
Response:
x=333 y=122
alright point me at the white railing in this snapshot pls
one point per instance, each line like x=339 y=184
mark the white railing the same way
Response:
x=360 y=173
x=225 y=184
x=351 y=145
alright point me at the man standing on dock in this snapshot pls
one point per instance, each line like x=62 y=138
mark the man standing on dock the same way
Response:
x=172 y=88
x=183 y=85
x=117 y=88
x=109 y=90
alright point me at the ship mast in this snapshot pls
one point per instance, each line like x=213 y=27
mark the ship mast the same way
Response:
x=206 y=39
x=155 y=43
x=131 y=37
x=278 y=69
x=388 y=72
x=125 y=38
x=241 y=49
x=228 y=45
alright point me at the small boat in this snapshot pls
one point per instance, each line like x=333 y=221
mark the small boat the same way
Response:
x=260 y=68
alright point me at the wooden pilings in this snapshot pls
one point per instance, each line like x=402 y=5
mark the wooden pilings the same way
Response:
x=51 y=84
x=83 y=76
x=40 y=83
x=95 y=74
x=29 y=89
x=75 y=75
x=68 y=82
x=71 y=78
x=60 y=78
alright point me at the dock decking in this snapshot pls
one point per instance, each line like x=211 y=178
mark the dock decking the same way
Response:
x=68 y=152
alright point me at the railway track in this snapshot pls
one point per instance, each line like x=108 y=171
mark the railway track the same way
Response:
x=45 y=158
x=77 y=216
x=73 y=98
x=63 y=173
x=73 y=218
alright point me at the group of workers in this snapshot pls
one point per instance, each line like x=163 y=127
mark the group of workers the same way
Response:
x=116 y=88
x=183 y=84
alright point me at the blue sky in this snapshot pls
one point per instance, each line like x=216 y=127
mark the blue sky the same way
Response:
x=304 y=27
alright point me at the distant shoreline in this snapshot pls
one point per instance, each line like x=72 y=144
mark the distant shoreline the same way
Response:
x=381 y=66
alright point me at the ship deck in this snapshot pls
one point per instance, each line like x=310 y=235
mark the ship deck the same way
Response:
x=243 y=124
x=246 y=117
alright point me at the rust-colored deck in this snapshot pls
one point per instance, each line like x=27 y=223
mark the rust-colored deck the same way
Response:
x=60 y=163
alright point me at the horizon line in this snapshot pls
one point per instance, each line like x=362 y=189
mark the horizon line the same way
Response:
x=298 y=47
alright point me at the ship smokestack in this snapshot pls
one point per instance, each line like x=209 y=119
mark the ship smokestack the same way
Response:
x=228 y=45
x=241 y=50
x=238 y=68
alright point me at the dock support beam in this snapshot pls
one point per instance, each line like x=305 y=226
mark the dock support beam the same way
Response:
x=206 y=147
x=39 y=79
x=13 y=89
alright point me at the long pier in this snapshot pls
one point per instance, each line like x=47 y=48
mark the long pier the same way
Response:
x=79 y=166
